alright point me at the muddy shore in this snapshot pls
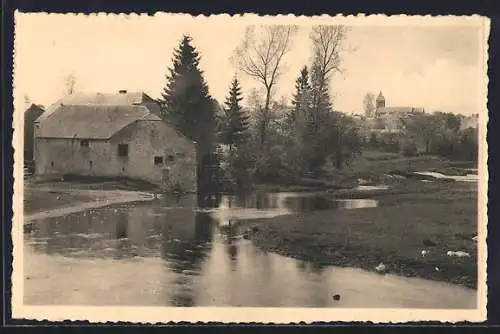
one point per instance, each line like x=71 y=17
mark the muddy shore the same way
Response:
x=61 y=198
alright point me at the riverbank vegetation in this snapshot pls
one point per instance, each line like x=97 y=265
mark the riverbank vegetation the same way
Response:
x=410 y=218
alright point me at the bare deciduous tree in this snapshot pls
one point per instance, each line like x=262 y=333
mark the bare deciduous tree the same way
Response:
x=327 y=46
x=70 y=83
x=260 y=56
x=27 y=101
x=369 y=104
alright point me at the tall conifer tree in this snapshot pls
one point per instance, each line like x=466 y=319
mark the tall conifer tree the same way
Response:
x=236 y=122
x=188 y=105
x=301 y=99
x=186 y=98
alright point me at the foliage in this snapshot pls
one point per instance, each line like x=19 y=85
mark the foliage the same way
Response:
x=302 y=138
x=409 y=149
x=369 y=104
x=440 y=132
x=235 y=122
x=186 y=98
x=188 y=105
x=301 y=102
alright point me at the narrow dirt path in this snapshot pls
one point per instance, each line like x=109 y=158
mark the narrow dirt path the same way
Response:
x=101 y=198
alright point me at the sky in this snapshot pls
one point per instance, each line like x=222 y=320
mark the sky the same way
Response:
x=438 y=65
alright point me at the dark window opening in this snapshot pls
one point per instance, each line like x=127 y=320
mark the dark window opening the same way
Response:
x=180 y=155
x=158 y=160
x=170 y=158
x=84 y=143
x=52 y=164
x=123 y=169
x=91 y=163
x=123 y=150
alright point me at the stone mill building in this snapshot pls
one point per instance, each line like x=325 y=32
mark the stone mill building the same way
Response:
x=113 y=136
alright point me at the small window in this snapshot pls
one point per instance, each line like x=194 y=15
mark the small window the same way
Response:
x=84 y=143
x=52 y=164
x=123 y=150
x=180 y=155
x=91 y=163
x=158 y=160
x=170 y=158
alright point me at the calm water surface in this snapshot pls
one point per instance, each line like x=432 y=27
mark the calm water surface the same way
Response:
x=169 y=253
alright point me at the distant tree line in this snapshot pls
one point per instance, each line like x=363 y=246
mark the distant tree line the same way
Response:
x=436 y=133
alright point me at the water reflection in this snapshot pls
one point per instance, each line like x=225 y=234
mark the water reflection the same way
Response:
x=461 y=178
x=124 y=246
x=167 y=252
x=265 y=205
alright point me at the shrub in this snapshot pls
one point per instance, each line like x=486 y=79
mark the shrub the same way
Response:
x=409 y=149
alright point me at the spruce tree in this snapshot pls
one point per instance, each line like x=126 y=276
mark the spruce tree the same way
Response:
x=301 y=99
x=188 y=105
x=321 y=96
x=302 y=87
x=186 y=99
x=236 y=122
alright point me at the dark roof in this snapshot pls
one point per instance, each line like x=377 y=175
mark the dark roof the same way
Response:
x=116 y=99
x=91 y=121
x=398 y=110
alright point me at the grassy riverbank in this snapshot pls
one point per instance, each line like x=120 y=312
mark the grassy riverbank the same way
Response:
x=373 y=167
x=394 y=233
x=40 y=197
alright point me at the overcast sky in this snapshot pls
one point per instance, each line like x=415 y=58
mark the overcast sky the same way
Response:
x=435 y=66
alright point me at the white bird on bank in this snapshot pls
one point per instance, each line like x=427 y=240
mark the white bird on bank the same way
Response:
x=380 y=268
x=458 y=254
x=474 y=239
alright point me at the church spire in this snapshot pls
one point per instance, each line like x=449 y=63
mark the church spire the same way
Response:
x=380 y=102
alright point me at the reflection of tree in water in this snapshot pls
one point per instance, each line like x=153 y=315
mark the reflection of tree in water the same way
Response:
x=203 y=227
x=123 y=247
x=302 y=265
x=60 y=234
x=183 y=299
x=229 y=234
x=310 y=267
x=186 y=254
x=208 y=199
x=232 y=251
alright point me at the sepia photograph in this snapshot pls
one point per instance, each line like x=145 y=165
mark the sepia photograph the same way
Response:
x=249 y=168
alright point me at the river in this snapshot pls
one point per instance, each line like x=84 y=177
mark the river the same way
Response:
x=170 y=253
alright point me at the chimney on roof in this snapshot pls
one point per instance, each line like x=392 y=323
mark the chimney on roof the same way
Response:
x=122 y=91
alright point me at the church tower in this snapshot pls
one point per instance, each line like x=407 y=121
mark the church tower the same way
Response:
x=380 y=102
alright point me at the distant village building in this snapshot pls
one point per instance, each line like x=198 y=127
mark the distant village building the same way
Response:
x=382 y=110
x=113 y=135
x=388 y=119
x=30 y=116
x=470 y=122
